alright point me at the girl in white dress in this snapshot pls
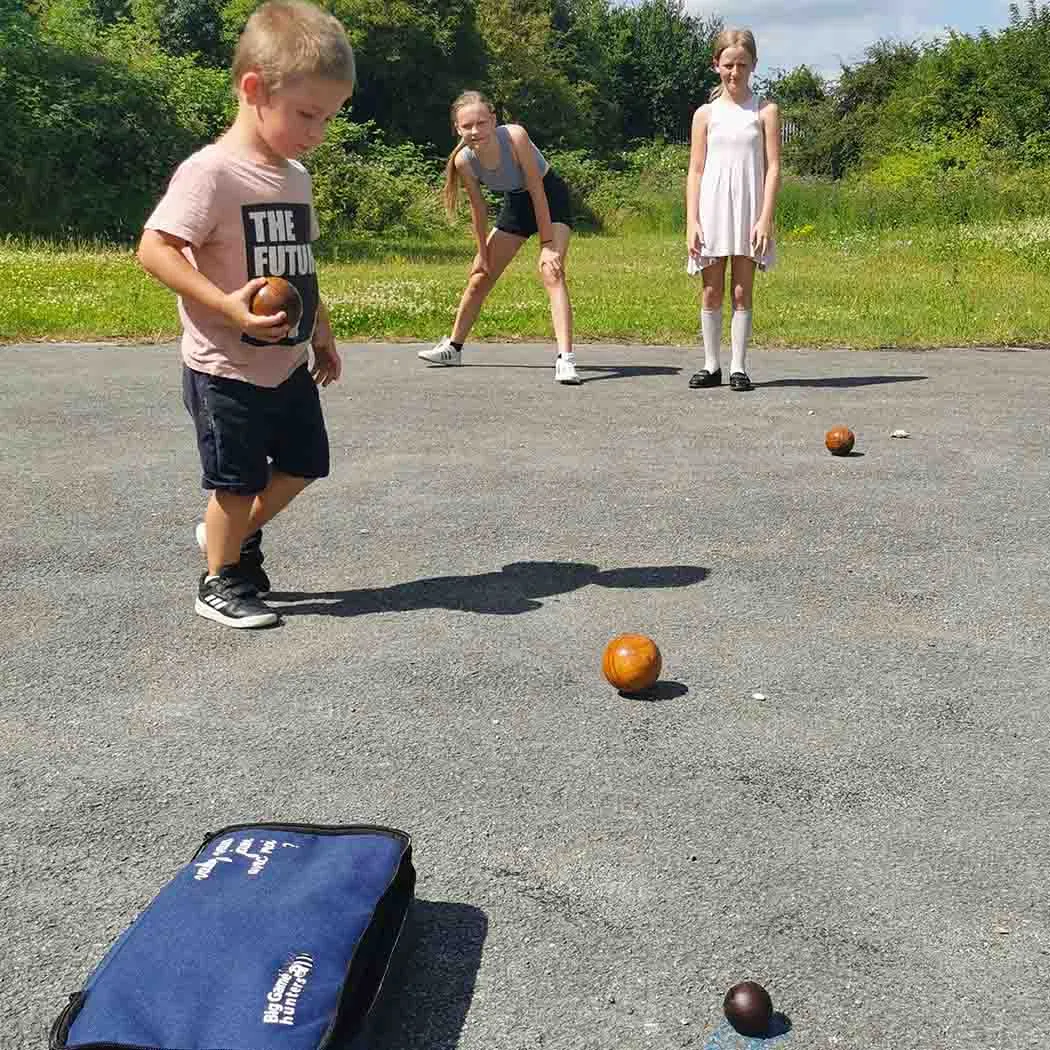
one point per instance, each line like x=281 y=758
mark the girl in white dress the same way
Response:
x=730 y=197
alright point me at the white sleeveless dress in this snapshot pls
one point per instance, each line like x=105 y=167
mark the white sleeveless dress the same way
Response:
x=733 y=184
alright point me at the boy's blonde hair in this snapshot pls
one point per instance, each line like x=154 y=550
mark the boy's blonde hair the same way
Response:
x=288 y=39
x=734 y=38
x=450 y=194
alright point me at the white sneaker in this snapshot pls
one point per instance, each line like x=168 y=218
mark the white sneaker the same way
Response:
x=565 y=370
x=442 y=354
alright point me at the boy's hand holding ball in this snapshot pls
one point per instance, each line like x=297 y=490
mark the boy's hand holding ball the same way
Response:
x=266 y=308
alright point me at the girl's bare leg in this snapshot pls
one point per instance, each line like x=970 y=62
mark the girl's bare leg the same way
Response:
x=557 y=290
x=502 y=249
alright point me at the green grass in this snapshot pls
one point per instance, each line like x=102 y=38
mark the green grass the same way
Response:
x=911 y=287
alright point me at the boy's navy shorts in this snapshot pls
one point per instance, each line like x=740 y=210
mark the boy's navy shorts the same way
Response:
x=244 y=431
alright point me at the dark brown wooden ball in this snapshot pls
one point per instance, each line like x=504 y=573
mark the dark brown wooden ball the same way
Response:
x=631 y=663
x=277 y=295
x=839 y=441
x=748 y=1008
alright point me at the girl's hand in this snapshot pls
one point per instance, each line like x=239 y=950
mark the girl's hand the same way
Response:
x=761 y=237
x=480 y=264
x=327 y=366
x=271 y=328
x=550 y=261
x=694 y=240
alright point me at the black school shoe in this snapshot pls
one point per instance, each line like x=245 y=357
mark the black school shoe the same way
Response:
x=231 y=600
x=740 y=381
x=706 y=378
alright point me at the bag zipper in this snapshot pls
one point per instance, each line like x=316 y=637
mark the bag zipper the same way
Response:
x=310 y=829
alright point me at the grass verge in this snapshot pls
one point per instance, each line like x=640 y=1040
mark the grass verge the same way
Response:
x=917 y=288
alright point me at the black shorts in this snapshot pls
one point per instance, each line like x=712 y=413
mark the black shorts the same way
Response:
x=517 y=215
x=243 y=429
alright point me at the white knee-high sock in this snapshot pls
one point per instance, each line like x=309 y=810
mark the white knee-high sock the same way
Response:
x=741 y=334
x=711 y=329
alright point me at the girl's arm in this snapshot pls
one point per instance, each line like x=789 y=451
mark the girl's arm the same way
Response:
x=479 y=212
x=763 y=233
x=694 y=234
x=522 y=146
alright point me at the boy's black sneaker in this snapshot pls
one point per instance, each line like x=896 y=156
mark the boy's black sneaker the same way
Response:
x=231 y=600
x=250 y=564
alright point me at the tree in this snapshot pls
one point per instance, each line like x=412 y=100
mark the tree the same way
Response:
x=524 y=80
x=662 y=58
x=413 y=58
x=194 y=27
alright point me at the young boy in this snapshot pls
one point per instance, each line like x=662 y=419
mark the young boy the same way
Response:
x=235 y=212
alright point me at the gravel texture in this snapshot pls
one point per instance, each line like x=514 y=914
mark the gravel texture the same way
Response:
x=870 y=841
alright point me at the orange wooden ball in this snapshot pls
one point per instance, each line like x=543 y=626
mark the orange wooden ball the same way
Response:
x=839 y=441
x=631 y=663
x=277 y=295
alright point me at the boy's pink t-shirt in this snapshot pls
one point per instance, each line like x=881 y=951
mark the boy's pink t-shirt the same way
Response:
x=242 y=219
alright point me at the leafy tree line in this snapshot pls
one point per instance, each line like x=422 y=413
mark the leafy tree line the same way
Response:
x=964 y=103
x=102 y=97
x=99 y=99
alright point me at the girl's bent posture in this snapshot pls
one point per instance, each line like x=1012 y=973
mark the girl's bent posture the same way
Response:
x=535 y=200
x=731 y=192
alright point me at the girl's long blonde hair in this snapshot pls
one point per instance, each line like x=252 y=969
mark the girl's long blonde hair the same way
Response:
x=450 y=195
x=734 y=38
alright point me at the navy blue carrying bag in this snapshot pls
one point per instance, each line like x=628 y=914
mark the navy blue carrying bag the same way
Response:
x=273 y=937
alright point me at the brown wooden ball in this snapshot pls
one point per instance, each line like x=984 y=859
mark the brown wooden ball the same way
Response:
x=277 y=295
x=631 y=663
x=839 y=441
x=748 y=1008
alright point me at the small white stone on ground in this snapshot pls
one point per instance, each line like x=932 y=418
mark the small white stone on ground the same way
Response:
x=758 y=696
x=899 y=434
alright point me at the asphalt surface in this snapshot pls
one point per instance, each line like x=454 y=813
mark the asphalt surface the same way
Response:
x=871 y=841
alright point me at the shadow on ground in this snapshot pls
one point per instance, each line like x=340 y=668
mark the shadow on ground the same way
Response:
x=514 y=589
x=428 y=990
x=606 y=371
x=725 y=1037
x=842 y=381
x=624 y=371
x=665 y=689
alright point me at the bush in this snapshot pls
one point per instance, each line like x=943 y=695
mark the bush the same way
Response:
x=644 y=188
x=362 y=184
x=94 y=126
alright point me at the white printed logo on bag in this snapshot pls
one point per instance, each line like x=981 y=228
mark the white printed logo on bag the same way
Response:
x=283 y=998
x=257 y=858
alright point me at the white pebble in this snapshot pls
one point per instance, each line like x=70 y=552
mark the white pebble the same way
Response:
x=758 y=696
x=899 y=434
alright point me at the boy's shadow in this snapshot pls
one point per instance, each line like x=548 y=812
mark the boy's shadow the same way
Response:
x=427 y=992
x=514 y=589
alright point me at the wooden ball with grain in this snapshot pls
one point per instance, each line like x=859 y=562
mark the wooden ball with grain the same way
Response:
x=839 y=441
x=748 y=1008
x=277 y=295
x=631 y=663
